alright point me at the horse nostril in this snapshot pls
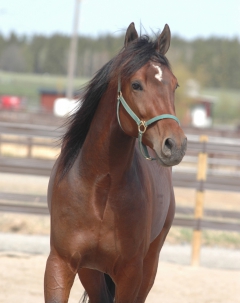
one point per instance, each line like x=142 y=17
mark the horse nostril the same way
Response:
x=168 y=146
x=169 y=143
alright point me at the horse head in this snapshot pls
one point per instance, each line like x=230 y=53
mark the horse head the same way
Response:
x=146 y=97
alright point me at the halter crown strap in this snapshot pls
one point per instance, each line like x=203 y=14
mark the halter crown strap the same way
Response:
x=142 y=125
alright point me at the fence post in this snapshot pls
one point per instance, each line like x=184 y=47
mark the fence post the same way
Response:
x=201 y=177
x=29 y=147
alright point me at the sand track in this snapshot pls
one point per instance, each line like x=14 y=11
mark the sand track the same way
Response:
x=174 y=283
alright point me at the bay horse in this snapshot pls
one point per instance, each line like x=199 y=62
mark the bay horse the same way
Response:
x=110 y=192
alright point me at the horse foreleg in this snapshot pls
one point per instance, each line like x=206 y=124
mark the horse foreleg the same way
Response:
x=150 y=265
x=128 y=281
x=58 y=280
x=151 y=260
x=95 y=285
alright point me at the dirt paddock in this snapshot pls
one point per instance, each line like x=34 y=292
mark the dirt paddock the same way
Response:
x=21 y=280
x=21 y=275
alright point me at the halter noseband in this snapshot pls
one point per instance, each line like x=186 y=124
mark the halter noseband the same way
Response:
x=142 y=125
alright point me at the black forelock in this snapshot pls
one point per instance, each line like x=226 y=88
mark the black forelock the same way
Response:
x=137 y=54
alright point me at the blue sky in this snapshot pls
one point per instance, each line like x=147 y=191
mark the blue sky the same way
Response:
x=188 y=18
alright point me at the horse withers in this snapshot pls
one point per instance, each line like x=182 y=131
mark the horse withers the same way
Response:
x=110 y=193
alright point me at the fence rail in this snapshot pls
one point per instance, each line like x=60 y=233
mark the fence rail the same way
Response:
x=37 y=204
x=222 y=173
x=223 y=157
x=182 y=177
x=31 y=130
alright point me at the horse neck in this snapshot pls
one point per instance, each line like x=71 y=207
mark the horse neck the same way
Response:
x=107 y=148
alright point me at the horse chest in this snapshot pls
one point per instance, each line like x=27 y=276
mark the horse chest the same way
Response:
x=107 y=221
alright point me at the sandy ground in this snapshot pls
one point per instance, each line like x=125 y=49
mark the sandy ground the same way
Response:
x=21 y=280
x=21 y=275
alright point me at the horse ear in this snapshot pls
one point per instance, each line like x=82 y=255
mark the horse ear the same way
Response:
x=163 y=42
x=131 y=34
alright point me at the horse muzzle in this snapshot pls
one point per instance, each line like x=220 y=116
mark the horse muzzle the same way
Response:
x=171 y=152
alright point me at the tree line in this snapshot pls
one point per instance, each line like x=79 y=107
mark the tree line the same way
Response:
x=214 y=62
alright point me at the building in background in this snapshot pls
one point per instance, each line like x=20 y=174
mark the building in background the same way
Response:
x=201 y=111
x=55 y=102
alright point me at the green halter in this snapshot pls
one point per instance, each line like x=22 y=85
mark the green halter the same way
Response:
x=142 y=125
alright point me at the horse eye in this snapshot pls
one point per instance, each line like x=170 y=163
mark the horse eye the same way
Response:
x=177 y=86
x=136 y=86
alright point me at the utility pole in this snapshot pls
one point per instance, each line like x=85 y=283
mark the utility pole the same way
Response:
x=73 y=52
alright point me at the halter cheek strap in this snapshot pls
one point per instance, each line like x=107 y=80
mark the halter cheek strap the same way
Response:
x=142 y=125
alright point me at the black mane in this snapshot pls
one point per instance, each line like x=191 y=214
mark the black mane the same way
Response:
x=126 y=63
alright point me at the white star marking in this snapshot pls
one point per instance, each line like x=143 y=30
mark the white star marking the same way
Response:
x=159 y=74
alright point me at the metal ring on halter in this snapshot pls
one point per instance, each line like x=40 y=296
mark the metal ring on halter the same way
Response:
x=142 y=124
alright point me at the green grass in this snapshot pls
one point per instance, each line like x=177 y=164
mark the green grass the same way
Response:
x=179 y=235
x=28 y=85
x=221 y=238
x=225 y=111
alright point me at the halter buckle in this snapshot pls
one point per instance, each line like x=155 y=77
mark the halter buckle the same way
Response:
x=140 y=125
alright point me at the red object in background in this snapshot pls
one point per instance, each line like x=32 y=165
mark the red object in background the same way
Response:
x=48 y=97
x=10 y=102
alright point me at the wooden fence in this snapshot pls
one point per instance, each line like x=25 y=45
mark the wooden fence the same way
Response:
x=211 y=163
